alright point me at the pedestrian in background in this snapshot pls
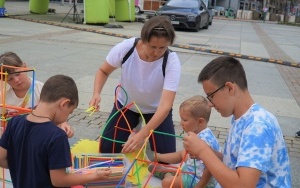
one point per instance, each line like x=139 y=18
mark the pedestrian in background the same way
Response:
x=265 y=12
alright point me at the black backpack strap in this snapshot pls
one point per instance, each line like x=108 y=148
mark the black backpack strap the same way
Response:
x=165 y=60
x=130 y=51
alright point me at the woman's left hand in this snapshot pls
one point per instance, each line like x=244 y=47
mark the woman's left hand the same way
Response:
x=134 y=142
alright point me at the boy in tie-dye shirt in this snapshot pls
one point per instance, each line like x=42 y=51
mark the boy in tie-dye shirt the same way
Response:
x=194 y=113
x=254 y=154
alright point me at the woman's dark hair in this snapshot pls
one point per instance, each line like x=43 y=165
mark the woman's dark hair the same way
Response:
x=158 y=26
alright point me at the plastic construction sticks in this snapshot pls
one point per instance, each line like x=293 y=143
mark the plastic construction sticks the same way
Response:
x=134 y=172
x=117 y=127
x=121 y=111
x=142 y=150
x=4 y=75
x=96 y=165
x=89 y=163
x=91 y=110
x=171 y=168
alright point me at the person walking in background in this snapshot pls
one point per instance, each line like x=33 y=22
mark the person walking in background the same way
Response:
x=194 y=113
x=265 y=12
x=37 y=152
x=150 y=76
x=255 y=154
x=20 y=88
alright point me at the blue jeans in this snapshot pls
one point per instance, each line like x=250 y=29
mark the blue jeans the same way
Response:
x=164 y=143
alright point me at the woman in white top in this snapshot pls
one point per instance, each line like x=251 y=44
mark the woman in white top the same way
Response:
x=20 y=91
x=148 y=83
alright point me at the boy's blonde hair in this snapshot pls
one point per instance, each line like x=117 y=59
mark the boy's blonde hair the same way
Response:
x=197 y=106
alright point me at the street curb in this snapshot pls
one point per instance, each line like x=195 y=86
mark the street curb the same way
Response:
x=187 y=47
x=280 y=62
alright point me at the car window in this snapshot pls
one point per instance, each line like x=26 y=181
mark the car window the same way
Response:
x=184 y=3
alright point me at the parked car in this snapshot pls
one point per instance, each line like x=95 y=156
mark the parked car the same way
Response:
x=189 y=14
x=211 y=15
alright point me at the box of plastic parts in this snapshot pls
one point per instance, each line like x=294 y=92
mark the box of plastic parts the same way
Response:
x=89 y=163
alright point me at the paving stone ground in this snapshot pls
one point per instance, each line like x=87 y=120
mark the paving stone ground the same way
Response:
x=276 y=87
x=89 y=127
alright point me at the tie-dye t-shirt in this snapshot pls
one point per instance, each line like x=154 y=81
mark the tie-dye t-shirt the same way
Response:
x=207 y=136
x=255 y=140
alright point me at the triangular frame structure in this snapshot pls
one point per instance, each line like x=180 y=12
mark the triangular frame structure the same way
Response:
x=4 y=118
x=140 y=158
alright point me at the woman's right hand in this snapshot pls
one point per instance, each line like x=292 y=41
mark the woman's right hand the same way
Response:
x=95 y=102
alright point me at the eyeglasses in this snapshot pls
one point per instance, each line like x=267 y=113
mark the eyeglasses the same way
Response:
x=210 y=96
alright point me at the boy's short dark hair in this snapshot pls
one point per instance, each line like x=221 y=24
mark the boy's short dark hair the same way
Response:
x=224 y=69
x=197 y=106
x=60 y=86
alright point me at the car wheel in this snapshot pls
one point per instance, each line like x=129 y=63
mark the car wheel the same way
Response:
x=207 y=25
x=198 y=26
x=137 y=9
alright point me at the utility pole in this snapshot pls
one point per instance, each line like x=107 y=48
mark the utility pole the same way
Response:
x=285 y=11
x=229 y=3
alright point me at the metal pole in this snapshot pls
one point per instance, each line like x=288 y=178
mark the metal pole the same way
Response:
x=285 y=9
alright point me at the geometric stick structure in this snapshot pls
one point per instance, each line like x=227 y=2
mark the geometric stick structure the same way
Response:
x=139 y=159
x=4 y=77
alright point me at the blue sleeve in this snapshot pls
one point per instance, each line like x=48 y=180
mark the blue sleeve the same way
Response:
x=59 y=153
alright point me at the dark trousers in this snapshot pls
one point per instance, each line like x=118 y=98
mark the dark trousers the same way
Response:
x=117 y=129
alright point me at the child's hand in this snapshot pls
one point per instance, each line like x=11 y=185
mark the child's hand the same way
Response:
x=103 y=173
x=193 y=145
x=67 y=128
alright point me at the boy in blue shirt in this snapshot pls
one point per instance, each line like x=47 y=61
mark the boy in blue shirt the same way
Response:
x=255 y=154
x=35 y=149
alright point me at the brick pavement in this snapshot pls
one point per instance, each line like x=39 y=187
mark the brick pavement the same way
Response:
x=89 y=127
x=291 y=75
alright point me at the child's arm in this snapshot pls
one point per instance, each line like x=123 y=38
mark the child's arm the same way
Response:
x=60 y=178
x=204 y=179
x=172 y=158
x=3 y=158
x=243 y=176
